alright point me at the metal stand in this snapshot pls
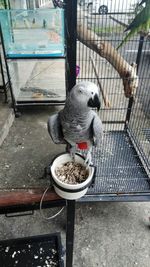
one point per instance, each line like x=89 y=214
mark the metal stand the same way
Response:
x=7 y=70
x=138 y=58
x=71 y=41
x=4 y=86
x=70 y=232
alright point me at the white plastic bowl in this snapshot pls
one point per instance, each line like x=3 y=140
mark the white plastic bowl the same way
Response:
x=70 y=191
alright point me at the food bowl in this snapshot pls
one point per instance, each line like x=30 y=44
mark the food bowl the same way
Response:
x=70 y=191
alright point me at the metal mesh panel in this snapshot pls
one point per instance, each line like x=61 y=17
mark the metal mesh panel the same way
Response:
x=139 y=124
x=125 y=151
x=106 y=27
x=118 y=167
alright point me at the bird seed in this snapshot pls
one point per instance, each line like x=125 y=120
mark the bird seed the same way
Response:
x=72 y=173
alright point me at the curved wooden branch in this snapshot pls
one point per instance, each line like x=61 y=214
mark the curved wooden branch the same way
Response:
x=126 y=71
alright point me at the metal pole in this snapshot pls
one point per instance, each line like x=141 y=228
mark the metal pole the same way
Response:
x=70 y=232
x=71 y=40
x=7 y=70
x=3 y=79
x=141 y=41
x=139 y=53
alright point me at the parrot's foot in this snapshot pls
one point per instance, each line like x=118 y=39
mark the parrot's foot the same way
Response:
x=88 y=160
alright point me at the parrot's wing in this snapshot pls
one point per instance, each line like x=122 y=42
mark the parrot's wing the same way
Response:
x=97 y=129
x=55 y=129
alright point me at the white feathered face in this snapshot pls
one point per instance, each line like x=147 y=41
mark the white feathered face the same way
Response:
x=86 y=94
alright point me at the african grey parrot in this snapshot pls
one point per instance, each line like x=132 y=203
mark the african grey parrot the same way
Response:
x=77 y=124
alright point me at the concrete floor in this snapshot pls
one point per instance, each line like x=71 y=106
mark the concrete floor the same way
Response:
x=106 y=234
x=6 y=118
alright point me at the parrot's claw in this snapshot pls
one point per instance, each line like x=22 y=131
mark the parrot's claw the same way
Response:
x=72 y=153
x=72 y=156
x=88 y=160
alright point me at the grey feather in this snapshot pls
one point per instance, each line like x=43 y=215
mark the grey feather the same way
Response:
x=55 y=129
x=97 y=128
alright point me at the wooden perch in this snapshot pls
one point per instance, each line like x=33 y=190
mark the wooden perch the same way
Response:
x=106 y=101
x=126 y=71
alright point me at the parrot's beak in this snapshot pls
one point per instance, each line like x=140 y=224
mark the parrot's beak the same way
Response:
x=94 y=102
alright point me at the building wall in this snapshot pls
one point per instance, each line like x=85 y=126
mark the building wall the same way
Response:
x=43 y=2
x=17 y=4
x=28 y=4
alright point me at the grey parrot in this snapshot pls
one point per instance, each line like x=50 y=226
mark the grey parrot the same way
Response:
x=77 y=124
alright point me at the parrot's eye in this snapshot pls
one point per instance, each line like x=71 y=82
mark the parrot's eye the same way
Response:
x=92 y=93
x=80 y=91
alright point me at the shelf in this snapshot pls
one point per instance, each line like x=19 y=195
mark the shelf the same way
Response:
x=38 y=81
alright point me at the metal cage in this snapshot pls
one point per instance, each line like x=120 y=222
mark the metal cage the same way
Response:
x=123 y=159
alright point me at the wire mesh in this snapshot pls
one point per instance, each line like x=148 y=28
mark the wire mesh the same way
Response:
x=124 y=157
x=139 y=124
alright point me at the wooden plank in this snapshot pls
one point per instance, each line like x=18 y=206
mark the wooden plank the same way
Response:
x=25 y=196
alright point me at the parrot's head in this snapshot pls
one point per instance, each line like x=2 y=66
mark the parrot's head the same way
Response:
x=86 y=94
